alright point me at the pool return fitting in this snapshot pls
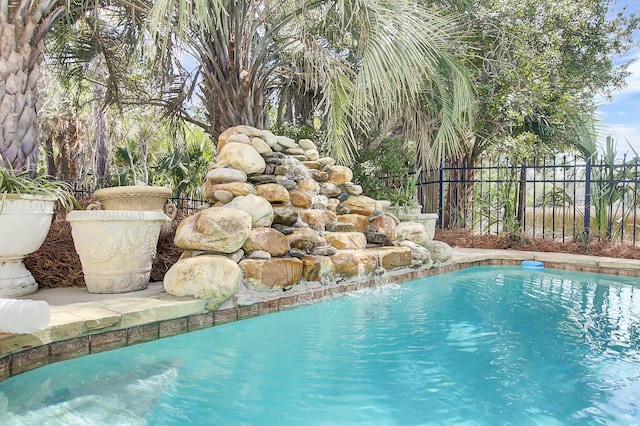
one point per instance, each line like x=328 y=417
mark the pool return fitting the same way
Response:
x=534 y=265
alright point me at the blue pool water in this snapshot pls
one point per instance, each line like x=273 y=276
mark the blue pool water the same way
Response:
x=482 y=346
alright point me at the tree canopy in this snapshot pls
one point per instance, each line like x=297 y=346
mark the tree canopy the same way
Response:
x=539 y=65
x=448 y=77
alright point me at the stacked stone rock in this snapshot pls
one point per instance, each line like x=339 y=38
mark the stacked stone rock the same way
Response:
x=281 y=214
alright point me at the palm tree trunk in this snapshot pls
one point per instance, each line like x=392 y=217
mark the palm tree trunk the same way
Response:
x=48 y=149
x=20 y=62
x=103 y=142
x=23 y=26
x=459 y=192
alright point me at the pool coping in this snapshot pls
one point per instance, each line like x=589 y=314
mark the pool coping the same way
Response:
x=88 y=324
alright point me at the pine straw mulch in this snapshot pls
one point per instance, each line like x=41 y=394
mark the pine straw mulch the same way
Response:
x=465 y=238
x=57 y=264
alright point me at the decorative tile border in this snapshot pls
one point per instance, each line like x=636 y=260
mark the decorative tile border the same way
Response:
x=39 y=356
x=69 y=349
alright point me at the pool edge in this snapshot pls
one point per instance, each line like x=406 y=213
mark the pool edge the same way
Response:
x=127 y=322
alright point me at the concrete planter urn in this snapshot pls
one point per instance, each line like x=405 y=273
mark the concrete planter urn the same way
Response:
x=137 y=198
x=429 y=221
x=414 y=214
x=116 y=247
x=24 y=223
x=404 y=209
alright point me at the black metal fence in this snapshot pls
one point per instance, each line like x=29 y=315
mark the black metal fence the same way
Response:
x=563 y=198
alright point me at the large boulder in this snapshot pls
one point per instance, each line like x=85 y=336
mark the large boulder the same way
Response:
x=273 y=193
x=305 y=239
x=262 y=147
x=419 y=255
x=327 y=162
x=360 y=204
x=360 y=222
x=300 y=199
x=225 y=175
x=267 y=239
x=313 y=165
x=239 y=138
x=307 y=144
x=309 y=185
x=354 y=189
x=249 y=130
x=269 y=138
x=287 y=142
x=440 y=252
x=222 y=139
x=393 y=257
x=205 y=276
x=235 y=188
x=330 y=189
x=285 y=216
x=385 y=225
x=317 y=268
x=242 y=157
x=221 y=196
x=412 y=231
x=339 y=174
x=354 y=263
x=312 y=154
x=346 y=240
x=317 y=219
x=215 y=229
x=233 y=137
x=276 y=273
x=258 y=208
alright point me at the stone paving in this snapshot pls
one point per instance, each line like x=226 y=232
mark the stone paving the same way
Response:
x=83 y=323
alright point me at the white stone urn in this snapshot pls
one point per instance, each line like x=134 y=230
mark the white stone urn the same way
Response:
x=404 y=209
x=137 y=198
x=116 y=247
x=429 y=221
x=24 y=224
x=134 y=197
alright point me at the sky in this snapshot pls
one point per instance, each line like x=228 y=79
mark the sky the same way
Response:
x=621 y=117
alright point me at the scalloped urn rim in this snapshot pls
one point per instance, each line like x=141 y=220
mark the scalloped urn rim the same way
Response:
x=139 y=198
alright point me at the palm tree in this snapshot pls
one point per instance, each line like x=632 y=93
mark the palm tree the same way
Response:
x=24 y=25
x=361 y=65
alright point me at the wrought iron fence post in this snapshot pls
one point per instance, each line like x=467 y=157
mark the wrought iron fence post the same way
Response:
x=441 y=197
x=587 y=197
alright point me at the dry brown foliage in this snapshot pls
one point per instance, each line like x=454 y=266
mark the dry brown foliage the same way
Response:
x=168 y=253
x=56 y=264
x=465 y=238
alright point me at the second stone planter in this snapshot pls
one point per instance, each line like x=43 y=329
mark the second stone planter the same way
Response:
x=137 y=198
x=116 y=247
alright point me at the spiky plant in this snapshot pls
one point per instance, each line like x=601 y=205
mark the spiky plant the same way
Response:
x=22 y=183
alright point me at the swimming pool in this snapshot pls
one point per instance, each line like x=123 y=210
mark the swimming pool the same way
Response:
x=485 y=345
